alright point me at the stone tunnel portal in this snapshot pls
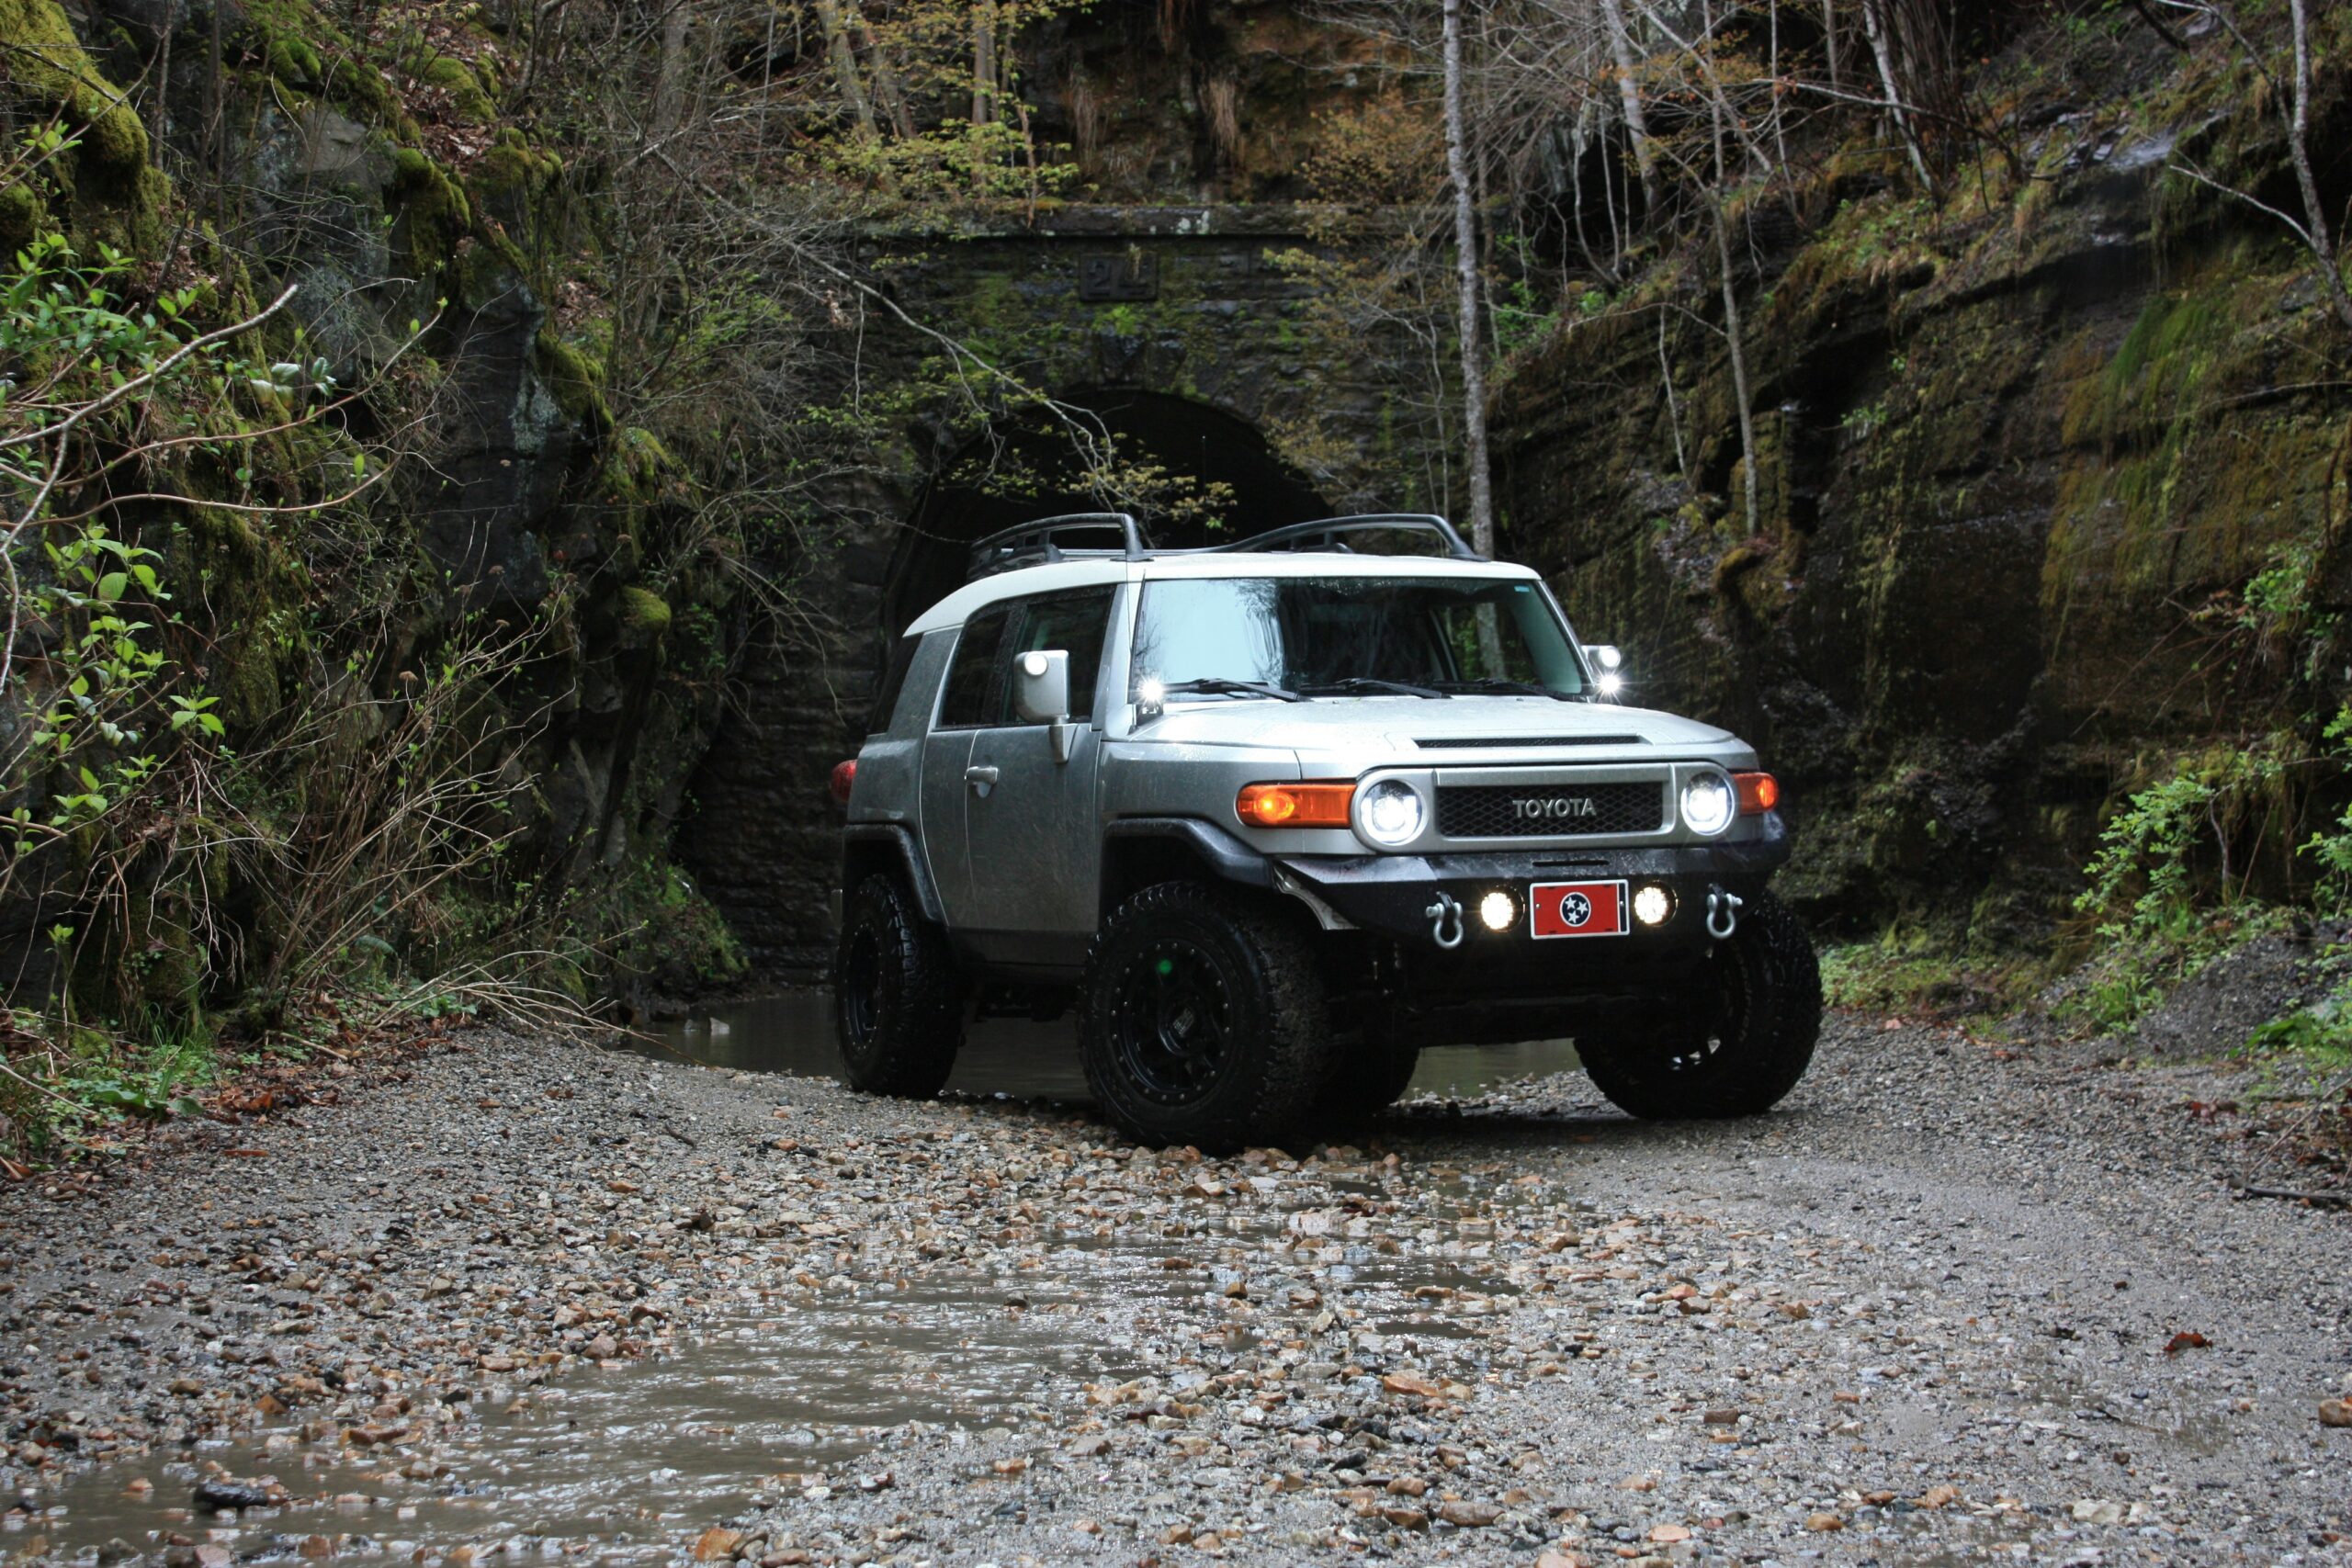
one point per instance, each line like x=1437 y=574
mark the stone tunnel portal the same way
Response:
x=765 y=839
x=1029 y=473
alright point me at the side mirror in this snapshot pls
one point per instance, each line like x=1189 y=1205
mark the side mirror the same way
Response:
x=1041 y=687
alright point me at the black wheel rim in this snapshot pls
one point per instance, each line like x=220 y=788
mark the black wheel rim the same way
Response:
x=1173 y=1029
x=860 y=993
x=1729 y=1007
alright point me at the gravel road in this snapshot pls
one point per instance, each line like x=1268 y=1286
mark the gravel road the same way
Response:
x=521 y=1299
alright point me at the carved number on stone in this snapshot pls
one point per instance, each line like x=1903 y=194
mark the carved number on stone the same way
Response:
x=1103 y=280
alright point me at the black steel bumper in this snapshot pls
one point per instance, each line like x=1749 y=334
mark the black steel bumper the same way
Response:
x=1391 y=895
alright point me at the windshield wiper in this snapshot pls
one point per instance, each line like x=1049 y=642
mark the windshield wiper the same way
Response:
x=1217 y=685
x=1509 y=689
x=1373 y=684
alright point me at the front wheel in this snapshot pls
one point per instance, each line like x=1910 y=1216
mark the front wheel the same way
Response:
x=1763 y=998
x=1204 y=1018
x=898 y=999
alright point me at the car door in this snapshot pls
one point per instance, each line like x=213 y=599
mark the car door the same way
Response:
x=969 y=700
x=1035 y=846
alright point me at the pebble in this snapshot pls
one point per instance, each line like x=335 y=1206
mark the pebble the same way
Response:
x=1512 y=1328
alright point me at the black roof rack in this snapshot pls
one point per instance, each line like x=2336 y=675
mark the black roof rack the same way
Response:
x=1040 y=543
x=1326 y=534
x=1033 y=544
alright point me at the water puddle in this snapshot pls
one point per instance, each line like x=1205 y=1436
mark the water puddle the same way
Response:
x=1019 y=1059
x=611 y=1464
x=795 y=1383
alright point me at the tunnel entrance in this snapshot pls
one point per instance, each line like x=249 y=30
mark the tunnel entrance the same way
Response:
x=1203 y=476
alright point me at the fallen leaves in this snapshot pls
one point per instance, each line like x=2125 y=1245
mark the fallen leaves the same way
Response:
x=2186 y=1341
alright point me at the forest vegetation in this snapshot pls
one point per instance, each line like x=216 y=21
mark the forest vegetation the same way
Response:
x=419 y=415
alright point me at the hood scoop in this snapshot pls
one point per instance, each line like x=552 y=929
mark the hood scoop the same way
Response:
x=1486 y=742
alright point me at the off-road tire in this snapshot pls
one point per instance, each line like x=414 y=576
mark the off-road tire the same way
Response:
x=1367 y=1074
x=897 y=997
x=1204 y=1019
x=1768 y=1018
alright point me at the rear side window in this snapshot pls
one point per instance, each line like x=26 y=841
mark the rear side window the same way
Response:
x=975 y=691
x=1077 y=623
x=893 y=680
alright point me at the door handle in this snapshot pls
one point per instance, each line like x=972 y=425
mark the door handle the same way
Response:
x=980 y=777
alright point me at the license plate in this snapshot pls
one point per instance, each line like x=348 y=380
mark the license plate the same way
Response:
x=1578 y=908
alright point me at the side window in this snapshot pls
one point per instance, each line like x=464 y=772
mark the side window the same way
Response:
x=1076 y=622
x=975 y=684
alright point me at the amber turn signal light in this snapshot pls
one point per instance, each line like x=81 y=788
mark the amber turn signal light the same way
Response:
x=1295 y=804
x=1758 y=793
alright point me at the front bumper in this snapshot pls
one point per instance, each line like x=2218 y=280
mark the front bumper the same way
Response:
x=1391 y=895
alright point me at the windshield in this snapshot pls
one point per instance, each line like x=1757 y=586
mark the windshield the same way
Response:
x=1352 y=636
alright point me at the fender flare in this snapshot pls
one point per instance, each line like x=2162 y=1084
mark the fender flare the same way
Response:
x=900 y=849
x=1232 y=860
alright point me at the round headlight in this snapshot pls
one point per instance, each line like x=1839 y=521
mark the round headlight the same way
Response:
x=1389 y=814
x=1708 y=804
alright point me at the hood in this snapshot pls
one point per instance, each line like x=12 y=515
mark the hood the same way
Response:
x=1556 y=731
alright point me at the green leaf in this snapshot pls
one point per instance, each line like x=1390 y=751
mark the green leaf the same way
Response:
x=111 y=585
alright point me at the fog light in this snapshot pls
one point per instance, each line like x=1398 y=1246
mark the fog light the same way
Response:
x=1652 y=905
x=1499 y=910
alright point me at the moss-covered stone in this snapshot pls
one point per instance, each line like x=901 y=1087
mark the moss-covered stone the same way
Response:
x=112 y=191
x=645 y=615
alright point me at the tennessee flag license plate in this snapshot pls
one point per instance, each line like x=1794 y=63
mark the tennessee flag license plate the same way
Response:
x=1578 y=908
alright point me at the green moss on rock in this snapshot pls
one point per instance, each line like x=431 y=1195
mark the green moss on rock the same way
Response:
x=114 y=194
x=645 y=615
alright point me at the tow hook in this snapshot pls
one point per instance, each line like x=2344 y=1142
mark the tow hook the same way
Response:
x=1445 y=912
x=1723 y=913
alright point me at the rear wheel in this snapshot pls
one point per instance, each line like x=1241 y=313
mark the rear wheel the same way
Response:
x=1764 y=1007
x=898 y=999
x=1204 y=1018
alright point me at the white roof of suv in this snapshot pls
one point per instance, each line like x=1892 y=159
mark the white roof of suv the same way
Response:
x=1092 y=572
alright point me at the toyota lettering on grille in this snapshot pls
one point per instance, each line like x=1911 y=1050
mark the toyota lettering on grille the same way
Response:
x=1555 y=806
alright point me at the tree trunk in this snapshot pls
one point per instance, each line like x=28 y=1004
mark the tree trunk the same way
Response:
x=1465 y=258
x=984 y=63
x=886 y=78
x=1880 y=30
x=2323 y=242
x=670 y=91
x=853 y=91
x=1629 y=94
x=1732 y=324
x=1829 y=44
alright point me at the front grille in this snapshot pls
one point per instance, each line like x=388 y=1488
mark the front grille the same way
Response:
x=1470 y=742
x=1495 y=811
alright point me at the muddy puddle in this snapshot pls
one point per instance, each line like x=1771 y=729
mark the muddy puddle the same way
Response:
x=793 y=1032
x=610 y=1463
x=618 y=1465
x=798 y=1383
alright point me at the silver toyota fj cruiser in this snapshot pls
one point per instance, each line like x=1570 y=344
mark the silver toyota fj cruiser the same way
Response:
x=1275 y=815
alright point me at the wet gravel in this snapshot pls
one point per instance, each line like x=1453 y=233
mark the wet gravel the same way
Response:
x=522 y=1299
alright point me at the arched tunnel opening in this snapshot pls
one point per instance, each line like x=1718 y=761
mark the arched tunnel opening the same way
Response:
x=1202 y=476
x=764 y=837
